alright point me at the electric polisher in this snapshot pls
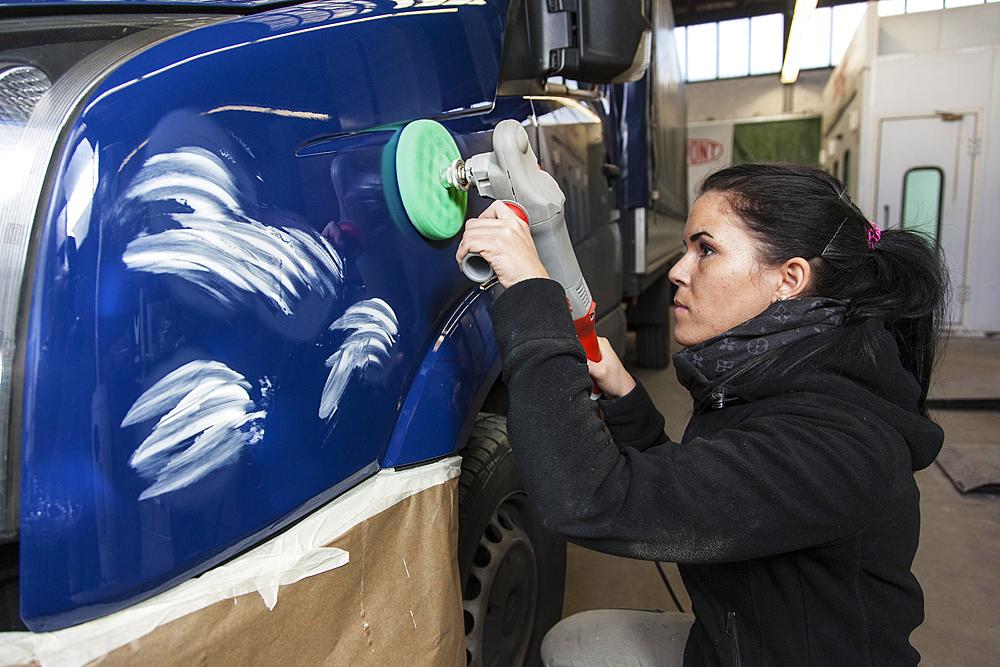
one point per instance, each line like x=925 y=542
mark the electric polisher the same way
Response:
x=433 y=183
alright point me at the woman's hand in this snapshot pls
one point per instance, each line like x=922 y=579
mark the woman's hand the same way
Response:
x=505 y=242
x=609 y=373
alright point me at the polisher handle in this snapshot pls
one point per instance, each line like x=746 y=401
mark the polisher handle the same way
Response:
x=587 y=333
x=478 y=269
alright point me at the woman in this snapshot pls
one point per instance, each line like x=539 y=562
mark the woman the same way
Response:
x=789 y=504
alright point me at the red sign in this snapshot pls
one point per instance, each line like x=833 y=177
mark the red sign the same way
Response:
x=703 y=151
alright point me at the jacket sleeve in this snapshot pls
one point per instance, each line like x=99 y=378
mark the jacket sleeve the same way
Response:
x=633 y=420
x=779 y=483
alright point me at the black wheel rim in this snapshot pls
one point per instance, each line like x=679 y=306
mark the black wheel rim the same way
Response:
x=501 y=590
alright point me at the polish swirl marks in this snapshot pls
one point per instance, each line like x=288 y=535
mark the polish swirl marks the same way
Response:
x=374 y=330
x=206 y=418
x=220 y=248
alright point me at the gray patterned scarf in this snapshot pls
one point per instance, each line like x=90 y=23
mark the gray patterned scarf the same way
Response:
x=706 y=369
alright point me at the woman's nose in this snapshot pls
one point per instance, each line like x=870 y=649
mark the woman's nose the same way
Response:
x=678 y=274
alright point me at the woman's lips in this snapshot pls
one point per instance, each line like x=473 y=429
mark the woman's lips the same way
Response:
x=679 y=307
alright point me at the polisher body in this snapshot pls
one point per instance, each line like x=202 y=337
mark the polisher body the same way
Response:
x=511 y=172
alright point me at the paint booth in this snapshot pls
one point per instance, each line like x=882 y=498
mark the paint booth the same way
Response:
x=911 y=124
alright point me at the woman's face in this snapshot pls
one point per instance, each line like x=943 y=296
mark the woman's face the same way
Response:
x=719 y=281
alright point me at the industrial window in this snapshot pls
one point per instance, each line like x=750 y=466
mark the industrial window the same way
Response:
x=702 y=52
x=730 y=49
x=896 y=7
x=921 y=211
x=767 y=34
x=753 y=46
x=817 y=40
x=736 y=48
x=830 y=32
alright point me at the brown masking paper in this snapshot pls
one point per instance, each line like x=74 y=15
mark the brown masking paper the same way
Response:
x=397 y=602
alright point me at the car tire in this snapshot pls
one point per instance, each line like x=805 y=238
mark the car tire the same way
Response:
x=652 y=345
x=650 y=319
x=512 y=571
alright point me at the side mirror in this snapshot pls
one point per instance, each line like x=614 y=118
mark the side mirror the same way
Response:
x=596 y=41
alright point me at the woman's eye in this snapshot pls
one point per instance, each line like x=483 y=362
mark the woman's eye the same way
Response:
x=705 y=250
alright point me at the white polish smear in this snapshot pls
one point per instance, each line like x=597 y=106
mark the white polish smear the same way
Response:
x=203 y=407
x=218 y=247
x=374 y=330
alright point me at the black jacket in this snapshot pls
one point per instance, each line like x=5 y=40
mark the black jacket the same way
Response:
x=793 y=514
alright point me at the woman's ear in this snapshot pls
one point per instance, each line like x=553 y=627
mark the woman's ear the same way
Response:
x=795 y=278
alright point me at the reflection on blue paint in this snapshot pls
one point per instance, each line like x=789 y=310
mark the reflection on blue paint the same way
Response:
x=459 y=368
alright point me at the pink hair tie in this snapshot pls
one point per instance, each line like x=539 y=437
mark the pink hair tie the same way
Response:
x=874 y=234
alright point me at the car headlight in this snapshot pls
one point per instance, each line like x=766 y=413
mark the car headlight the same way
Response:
x=21 y=86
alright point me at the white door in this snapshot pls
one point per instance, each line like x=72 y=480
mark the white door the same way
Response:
x=924 y=183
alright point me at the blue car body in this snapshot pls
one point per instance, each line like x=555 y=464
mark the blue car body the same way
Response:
x=229 y=319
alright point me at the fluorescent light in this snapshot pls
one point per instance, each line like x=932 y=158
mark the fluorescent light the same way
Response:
x=796 y=39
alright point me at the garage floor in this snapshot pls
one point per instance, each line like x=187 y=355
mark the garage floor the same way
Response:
x=959 y=556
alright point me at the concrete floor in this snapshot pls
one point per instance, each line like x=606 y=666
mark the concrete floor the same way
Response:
x=958 y=561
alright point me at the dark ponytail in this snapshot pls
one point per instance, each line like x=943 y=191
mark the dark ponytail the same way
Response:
x=799 y=211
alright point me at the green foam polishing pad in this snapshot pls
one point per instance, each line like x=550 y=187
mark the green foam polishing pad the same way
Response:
x=425 y=150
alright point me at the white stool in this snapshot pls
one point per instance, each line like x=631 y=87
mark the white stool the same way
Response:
x=618 y=638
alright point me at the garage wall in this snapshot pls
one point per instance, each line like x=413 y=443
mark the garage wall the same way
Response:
x=756 y=97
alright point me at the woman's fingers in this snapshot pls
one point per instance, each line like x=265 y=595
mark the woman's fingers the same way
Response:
x=514 y=226
x=609 y=373
x=488 y=235
x=470 y=236
x=599 y=369
x=505 y=242
x=499 y=210
x=482 y=241
x=605 y=346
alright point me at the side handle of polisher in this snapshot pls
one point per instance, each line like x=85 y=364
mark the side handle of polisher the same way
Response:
x=477 y=269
